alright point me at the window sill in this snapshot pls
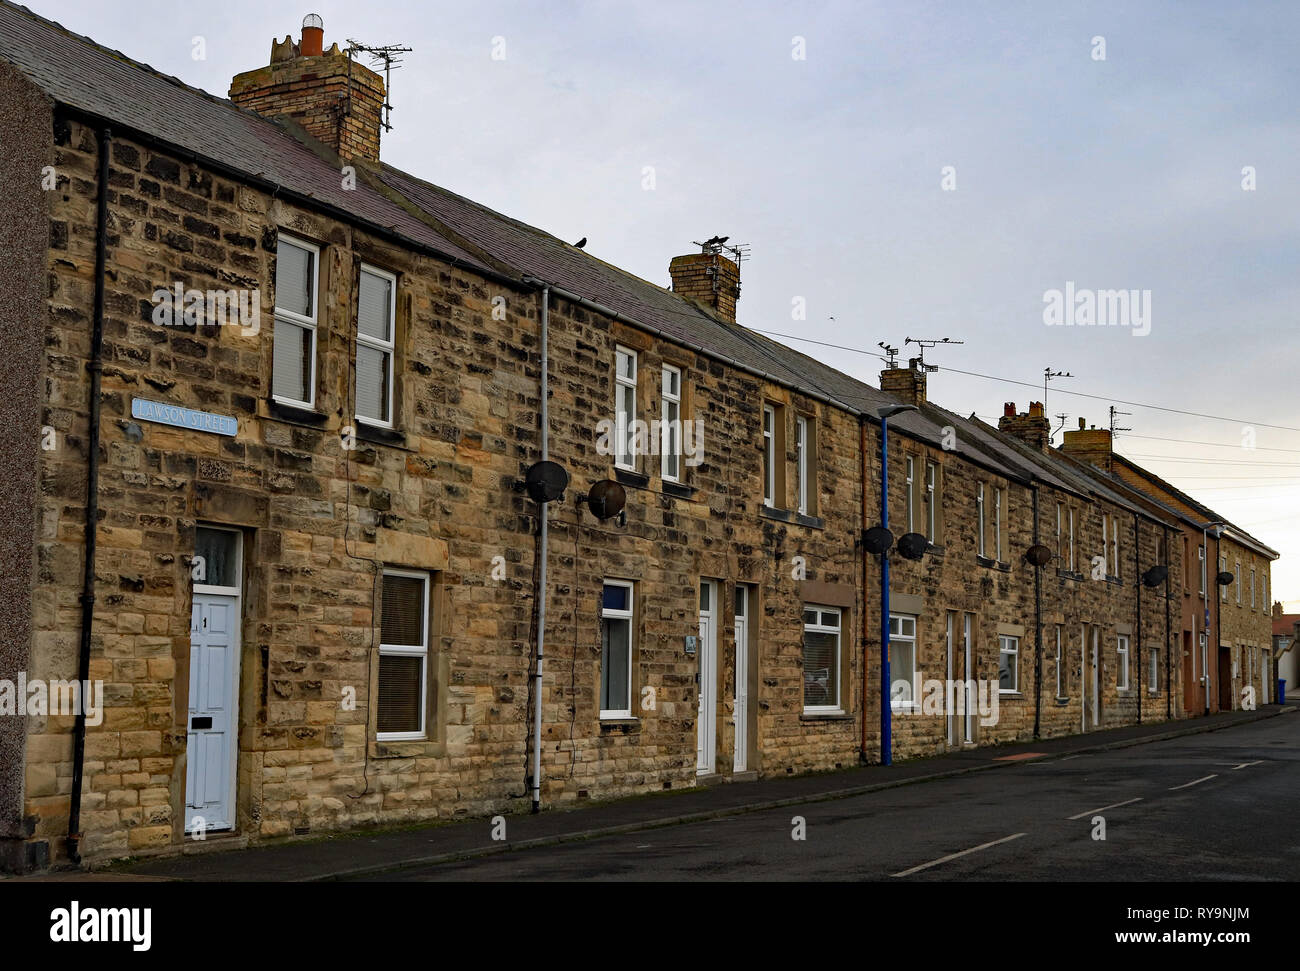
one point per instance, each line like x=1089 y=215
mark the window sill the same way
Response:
x=780 y=515
x=934 y=549
x=378 y=435
x=294 y=413
x=1062 y=702
x=620 y=726
x=629 y=478
x=1070 y=575
x=825 y=716
x=812 y=522
x=678 y=490
x=407 y=749
x=1013 y=695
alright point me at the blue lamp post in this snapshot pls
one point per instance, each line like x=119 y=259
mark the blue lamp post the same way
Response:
x=886 y=711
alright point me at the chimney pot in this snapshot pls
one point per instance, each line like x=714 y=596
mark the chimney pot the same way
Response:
x=313 y=36
x=1082 y=424
x=1035 y=409
x=1008 y=409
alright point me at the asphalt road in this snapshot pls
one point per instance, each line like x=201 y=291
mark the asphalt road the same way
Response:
x=1216 y=806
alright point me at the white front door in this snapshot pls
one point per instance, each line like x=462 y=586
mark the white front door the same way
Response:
x=213 y=725
x=707 y=715
x=968 y=682
x=740 y=759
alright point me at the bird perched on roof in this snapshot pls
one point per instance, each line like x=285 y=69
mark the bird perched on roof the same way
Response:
x=581 y=243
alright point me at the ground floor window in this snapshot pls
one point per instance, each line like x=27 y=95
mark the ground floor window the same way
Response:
x=821 y=659
x=403 y=655
x=902 y=660
x=1121 y=675
x=1153 y=671
x=616 y=650
x=1008 y=663
x=1062 y=676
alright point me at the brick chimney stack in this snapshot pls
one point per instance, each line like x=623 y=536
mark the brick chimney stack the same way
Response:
x=907 y=384
x=708 y=278
x=337 y=101
x=1091 y=445
x=1034 y=428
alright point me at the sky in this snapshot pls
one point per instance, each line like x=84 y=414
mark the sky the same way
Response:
x=899 y=170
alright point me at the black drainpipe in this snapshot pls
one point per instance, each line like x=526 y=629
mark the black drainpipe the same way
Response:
x=1038 y=626
x=1169 y=633
x=1136 y=650
x=96 y=369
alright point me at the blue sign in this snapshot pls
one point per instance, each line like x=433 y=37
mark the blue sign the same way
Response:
x=195 y=421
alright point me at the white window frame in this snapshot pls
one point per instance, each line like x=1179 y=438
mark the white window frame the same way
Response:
x=979 y=516
x=1114 y=545
x=1237 y=584
x=235 y=590
x=406 y=650
x=1060 y=660
x=1223 y=590
x=1153 y=671
x=819 y=628
x=913 y=703
x=1200 y=554
x=389 y=347
x=1122 y=664
x=801 y=460
x=670 y=428
x=931 y=514
x=1252 y=588
x=1072 y=560
x=307 y=323
x=909 y=505
x=624 y=423
x=997 y=524
x=629 y=616
x=1014 y=651
x=1060 y=515
x=769 y=456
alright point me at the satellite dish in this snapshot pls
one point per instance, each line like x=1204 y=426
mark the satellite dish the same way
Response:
x=1224 y=578
x=606 y=499
x=878 y=539
x=1038 y=555
x=1156 y=575
x=546 y=481
x=912 y=545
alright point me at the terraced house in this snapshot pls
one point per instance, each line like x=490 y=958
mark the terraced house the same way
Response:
x=362 y=503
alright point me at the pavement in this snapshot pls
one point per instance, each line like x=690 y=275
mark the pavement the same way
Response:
x=354 y=855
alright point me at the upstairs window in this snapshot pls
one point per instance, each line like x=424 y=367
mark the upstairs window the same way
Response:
x=805 y=465
x=1200 y=555
x=979 y=519
x=909 y=499
x=293 y=352
x=1223 y=568
x=670 y=418
x=933 y=521
x=376 y=325
x=769 y=456
x=997 y=525
x=1237 y=583
x=625 y=408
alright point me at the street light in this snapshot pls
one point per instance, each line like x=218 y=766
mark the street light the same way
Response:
x=886 y=711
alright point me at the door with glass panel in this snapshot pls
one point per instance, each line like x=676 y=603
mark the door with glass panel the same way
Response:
x=740 y=711
x=707 y=714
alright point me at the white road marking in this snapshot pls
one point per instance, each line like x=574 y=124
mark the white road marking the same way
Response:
x=1247 y=765
x=1114 y=805
x=1185 y=785
x=953 y=856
